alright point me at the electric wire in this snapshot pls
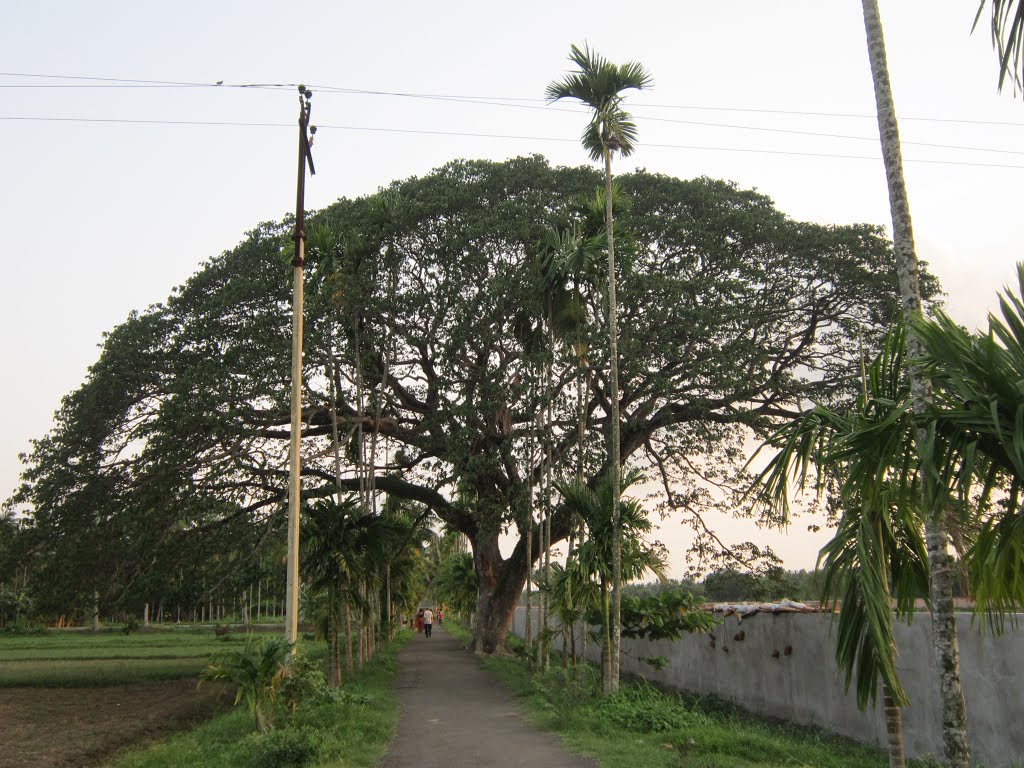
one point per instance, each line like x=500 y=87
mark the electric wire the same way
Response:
x=483 y=99
x=470 y=134
x=109 y=82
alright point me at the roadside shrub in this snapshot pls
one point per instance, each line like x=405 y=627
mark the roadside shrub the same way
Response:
x=286 y=748
x=563 y=692
x=22 y=626
x=644 y=709
x=131 y=624
x=257 y=670
x=303 y=682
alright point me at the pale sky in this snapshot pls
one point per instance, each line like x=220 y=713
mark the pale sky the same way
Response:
x=104 y=212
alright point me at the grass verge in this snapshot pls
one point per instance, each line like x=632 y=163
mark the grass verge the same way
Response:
x=353 y=730
x=643 y=725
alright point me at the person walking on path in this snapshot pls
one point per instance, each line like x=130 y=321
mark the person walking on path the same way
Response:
x=428 y=621
x=455 y=714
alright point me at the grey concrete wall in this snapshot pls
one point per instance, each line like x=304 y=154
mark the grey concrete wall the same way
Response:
x=804 y=685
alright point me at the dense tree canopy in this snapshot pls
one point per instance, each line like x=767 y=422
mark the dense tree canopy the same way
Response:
x=731 y=315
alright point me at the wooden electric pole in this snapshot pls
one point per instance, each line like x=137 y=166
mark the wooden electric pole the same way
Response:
x=291 y=623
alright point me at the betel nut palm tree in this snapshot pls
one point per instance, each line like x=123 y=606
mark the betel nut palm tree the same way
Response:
x=944 y=637
x=877 y=557
x=979 y=442
x=599 y=84
x=596 y=557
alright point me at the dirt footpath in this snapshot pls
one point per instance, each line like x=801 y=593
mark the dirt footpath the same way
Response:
x=83 y=727
x=455 y=714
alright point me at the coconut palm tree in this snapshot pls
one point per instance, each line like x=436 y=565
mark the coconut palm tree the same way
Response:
x=599 y=84
x=954 y=710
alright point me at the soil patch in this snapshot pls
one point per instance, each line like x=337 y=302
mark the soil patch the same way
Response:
x=83 y=727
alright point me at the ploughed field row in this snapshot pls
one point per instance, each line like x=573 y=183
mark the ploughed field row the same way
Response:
x=77 y=698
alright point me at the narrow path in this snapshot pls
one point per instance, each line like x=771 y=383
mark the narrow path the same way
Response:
x=455 y=714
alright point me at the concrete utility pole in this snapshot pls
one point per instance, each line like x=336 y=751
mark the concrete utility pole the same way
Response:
x=291 y=624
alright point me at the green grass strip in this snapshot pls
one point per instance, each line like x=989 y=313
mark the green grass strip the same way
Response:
x=97 y=672
x=644 y=725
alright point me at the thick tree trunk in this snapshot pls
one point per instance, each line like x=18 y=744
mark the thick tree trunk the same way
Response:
x=954 y=710
x=499 y=584
x=893 y=730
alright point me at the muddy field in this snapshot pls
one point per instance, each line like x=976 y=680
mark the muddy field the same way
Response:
x=83 y=727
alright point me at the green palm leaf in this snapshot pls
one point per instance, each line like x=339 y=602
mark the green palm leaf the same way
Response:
x=599 y=84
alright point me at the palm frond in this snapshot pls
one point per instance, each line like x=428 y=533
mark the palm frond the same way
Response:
x=598 y=84
x=1007 y=29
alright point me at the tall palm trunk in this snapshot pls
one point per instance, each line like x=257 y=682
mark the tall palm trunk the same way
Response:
x=606 y=636
x=333 y=652
x=529 y=569
x=584 y=390
x=549 y=439
x=349 y=666
x=954 y=711
x=541 y=594
x=333 y=655
x=893 y=729
x=529 y=548
x=612 y=682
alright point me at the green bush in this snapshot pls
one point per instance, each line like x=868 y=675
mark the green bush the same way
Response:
x=286 y=748
x=303 y=682
x=643 y=709
x=256 y=670
x=22 y=626
x=131 y=624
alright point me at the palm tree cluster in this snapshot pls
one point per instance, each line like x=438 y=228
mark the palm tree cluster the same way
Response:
x=927 y=433
x=347 y=557
x=968 y=467
x=581 y=589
